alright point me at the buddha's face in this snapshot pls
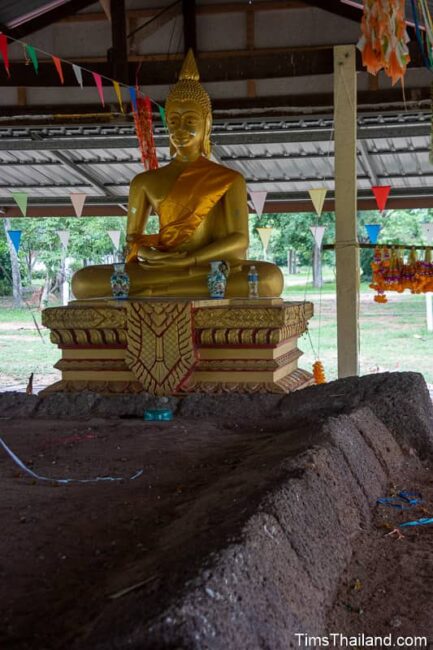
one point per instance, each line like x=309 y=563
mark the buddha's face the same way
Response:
x=187 y=128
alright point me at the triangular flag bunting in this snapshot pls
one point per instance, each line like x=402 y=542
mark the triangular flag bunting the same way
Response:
x=116 y=87
x=98 y=82
x=427 y=231
x=78 y=199
x=64 y=237
x=31 y=53
x=57 y=62
x=258 y=199
x=15 y=237
x=114 y=235
x=133 y=96
x=105 y=4
x=4 y=52
x=381 y=193
x=373 y=230
x=20 y=199
x=265 y=235
x=317 y=196
x=78 y=74
x=162 y=116
x=318 y=232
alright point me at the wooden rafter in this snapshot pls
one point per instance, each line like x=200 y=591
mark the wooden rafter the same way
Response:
x=46 y=19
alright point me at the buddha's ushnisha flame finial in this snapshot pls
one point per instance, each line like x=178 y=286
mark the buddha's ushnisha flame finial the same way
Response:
x=189 y=68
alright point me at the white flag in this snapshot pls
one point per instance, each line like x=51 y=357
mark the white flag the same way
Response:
x=78 y=74
x=258 y=199
x=265 y=235
x=318 y=232
x=114 y=235
x=78 y=199
x=64 y=237
x=105 y=4
x=427 y=231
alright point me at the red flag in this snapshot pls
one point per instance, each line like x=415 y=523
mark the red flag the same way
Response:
x=58 y=65
x=98 y=82
x=4 y=52
x=381 y=193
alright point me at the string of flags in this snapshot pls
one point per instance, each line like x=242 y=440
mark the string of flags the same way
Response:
x=141 y=104
x=77 y=199
x=31 y=55
x=64 y=235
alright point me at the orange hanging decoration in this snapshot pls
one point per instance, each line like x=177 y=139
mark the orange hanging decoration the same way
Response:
x=144 y=132
x=392 y=273
x=319 y=373
x=384 y=38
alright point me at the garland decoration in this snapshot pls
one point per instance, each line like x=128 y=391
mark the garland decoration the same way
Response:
x=384 y=39
x=143 y=129
x=392 y=273
x=319 y=373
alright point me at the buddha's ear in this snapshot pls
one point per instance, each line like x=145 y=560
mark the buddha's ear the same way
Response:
x=206 y=146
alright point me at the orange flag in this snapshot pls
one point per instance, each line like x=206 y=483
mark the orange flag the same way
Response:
x=57 y=62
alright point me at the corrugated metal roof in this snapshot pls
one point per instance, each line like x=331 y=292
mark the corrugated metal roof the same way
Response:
x=285 y=157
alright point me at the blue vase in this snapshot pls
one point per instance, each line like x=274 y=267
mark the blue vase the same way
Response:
x=217 y=279
x=120 y=282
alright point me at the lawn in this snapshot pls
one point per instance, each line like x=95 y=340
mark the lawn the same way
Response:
x=393 y=336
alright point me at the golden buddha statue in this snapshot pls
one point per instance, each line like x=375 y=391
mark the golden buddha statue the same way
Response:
x=202 y=209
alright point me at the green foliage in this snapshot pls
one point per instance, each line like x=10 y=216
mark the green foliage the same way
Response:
x=290 y=231
x=89 y=242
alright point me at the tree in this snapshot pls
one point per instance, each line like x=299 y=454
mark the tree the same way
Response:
x=292 y=231
x=89 y=243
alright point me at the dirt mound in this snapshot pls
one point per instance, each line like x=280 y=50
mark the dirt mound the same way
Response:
x=236 y=535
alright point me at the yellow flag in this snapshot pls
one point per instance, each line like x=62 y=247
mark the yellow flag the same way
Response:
x=318 y=198
x=118 y=94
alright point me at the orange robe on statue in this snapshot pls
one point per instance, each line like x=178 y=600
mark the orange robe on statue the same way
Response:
x=196 y=191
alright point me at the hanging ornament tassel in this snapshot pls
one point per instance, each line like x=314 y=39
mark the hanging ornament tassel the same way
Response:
x=319 y=373
x=384 y=39
x=144 y=131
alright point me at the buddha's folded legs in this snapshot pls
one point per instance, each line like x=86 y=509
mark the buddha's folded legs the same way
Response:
x=94 y=281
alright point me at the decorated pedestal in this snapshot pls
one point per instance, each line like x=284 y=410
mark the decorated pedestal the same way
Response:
x=172 y=347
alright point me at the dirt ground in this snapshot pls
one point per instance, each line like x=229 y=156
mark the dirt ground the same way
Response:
x=68 y=550
x=388 y=587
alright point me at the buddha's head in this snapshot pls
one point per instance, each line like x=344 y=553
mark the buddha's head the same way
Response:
x=189 y=113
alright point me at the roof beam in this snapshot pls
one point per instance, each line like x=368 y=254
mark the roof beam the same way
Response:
x=46 y=19
x=262 y=136
x=189 y=25
x=346 y=10
x=118 y=53
x=232 y=65
x=378 y=101
x=401 y=198
x=366 y=161
x=222 y=8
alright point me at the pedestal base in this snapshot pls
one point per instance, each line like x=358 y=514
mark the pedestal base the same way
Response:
x=171 y=347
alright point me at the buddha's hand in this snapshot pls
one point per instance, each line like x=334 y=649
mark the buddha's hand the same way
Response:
x=173 y=260
x=147 y=254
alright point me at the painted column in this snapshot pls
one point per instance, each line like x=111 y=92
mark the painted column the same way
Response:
x=346 y=244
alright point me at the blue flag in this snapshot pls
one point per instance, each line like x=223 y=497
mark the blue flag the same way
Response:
x=373 y=230
x=15 y=237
